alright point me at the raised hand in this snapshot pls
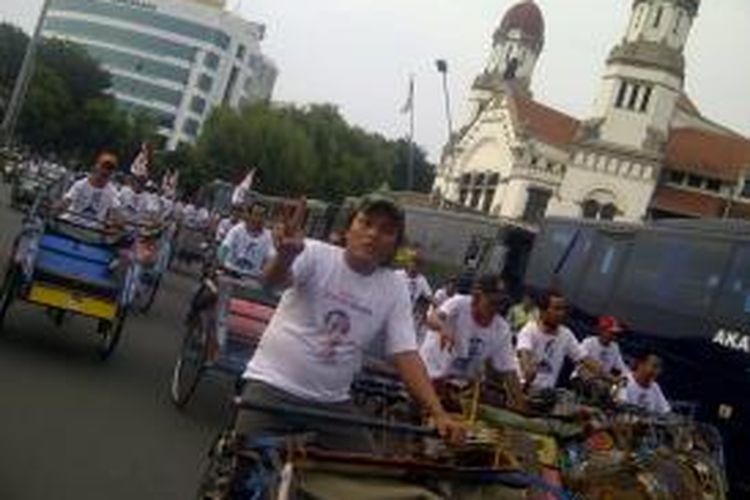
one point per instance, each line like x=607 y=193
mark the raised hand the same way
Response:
x=291 y=241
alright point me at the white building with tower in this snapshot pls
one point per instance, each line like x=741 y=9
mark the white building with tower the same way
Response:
x=174 y=59
x=645 y=151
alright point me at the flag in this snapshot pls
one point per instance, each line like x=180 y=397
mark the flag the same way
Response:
x=409 y=104
x=240 y=192
x=141 y=162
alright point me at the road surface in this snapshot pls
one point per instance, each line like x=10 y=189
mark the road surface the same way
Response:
x=74 y=427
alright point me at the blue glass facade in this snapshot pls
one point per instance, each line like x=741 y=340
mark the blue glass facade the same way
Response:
x=118 y=36
x=141 y=65
x=145 y=17
x=145 y=91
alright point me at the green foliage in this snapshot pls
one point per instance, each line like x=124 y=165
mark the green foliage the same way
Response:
x=12 y=46
x=311 y=151
x=67 y=110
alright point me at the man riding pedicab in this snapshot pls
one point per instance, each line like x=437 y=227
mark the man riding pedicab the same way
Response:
x=336 y=301
x=468 y=331
x=244 y=251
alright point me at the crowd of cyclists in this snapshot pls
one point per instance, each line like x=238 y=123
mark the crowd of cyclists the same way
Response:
x=341 y=296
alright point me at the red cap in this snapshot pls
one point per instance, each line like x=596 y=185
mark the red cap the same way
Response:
x=610 y=324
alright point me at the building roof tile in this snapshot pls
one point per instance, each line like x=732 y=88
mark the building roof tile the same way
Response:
x=707 y=153
x=687 y=203
x=544 y=123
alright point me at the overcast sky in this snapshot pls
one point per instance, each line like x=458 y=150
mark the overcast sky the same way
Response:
x=358 y=54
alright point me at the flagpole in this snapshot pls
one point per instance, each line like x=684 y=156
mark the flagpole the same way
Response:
x=23 y=79
x=410 y=166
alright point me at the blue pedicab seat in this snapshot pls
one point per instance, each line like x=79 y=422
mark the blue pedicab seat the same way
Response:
x=71 y=263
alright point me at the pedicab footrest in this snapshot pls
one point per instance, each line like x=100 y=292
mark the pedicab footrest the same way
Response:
x=70 y=300
x=85 y=281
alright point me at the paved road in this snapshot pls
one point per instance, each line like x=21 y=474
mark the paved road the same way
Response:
x=73 y=427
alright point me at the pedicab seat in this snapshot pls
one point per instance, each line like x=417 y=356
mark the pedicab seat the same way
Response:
x=248 y=320
x=76 y=265
x=78 y=249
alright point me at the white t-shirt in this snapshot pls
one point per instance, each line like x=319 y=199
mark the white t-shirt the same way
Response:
x=474 y=344
x=608 y=356
x=549 y=352
x=246 y=253
x=650 y=398
x=195 y=217
x=130 y=203
x=90 y=202
x=222 y=229
x=179 y=210
x=314 y=343
x=418 y=286
x=167 y=207
x=441 y=296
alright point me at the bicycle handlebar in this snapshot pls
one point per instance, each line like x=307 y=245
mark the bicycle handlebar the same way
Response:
x=333 y=417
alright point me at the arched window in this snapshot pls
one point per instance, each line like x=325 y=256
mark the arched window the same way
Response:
x=608 y=212
x=590 y=209
x=600 y=205
x=658 y=16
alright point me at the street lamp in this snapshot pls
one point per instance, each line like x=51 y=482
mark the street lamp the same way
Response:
x=21 y=86
x=442 y=67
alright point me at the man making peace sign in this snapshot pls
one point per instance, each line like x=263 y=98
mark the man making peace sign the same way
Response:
x=337 y=301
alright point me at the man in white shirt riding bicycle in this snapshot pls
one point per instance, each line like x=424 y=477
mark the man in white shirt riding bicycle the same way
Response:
x=91 y=201
x=336 y=302
x=468 y=331
x=544 y=344
x=243 y=254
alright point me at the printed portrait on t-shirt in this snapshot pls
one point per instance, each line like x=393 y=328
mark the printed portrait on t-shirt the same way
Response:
x=336 y=326
x=246 y=258
x=545 y=364
x=642 y=398
x=92 y=207
x=468 y=364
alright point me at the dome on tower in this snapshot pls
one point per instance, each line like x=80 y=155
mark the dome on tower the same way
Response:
x=526 y=17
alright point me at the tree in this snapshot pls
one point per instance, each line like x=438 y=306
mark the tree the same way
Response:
x=12 y=46
x=310 y=150
x=67 y=109
x=83 y=77
x=424 y=171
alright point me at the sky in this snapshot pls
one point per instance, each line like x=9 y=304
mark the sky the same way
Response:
x=359 y=55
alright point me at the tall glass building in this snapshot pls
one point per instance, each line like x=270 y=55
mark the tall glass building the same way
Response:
x=175 y=59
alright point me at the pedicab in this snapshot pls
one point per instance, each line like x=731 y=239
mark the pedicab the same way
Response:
x=607 y=451
x=69 y=265
x=561 y=447
x=28 y=184
x=150 y=253
x=192 y=245
x=245 y=313
x=419 y=466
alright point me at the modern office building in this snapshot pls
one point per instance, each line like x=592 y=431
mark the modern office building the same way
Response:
x=175 y=59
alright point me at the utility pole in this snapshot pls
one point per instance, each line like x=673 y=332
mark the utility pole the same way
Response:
x=21 y=86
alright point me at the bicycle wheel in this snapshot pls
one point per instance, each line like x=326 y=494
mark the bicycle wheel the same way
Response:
x=218 y=476
x=150 y=295
x=8 y=291
x=190 y=364
x=110 y=332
